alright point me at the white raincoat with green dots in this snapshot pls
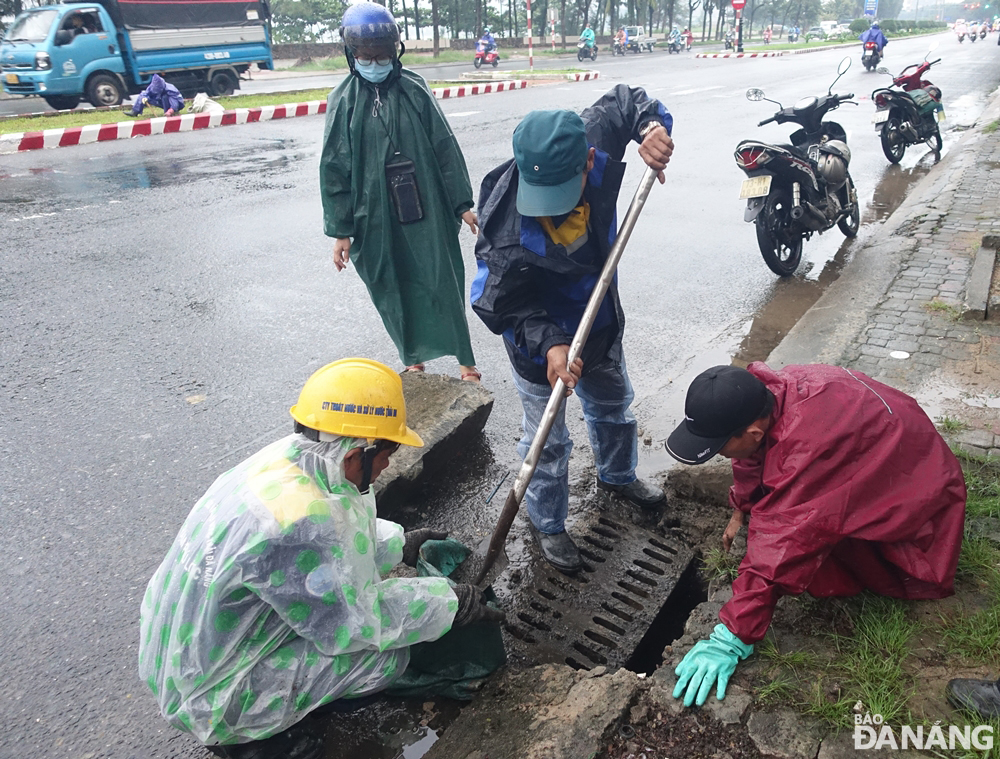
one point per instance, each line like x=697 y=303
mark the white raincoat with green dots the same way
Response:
x=272 y=601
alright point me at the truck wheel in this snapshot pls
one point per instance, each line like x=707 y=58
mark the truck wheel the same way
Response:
x=222 y=83
x=63 y=102
x=104 y=90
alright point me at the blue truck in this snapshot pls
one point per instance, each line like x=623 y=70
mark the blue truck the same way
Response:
x=105 y=50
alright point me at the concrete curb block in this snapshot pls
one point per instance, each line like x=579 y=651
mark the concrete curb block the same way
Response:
x=738 y=55
x=123 y=130
x=585 y=77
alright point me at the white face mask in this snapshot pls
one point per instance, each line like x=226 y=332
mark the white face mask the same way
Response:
x=372 y=71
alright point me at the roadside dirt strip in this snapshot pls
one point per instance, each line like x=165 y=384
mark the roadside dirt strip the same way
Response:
x=123 y=130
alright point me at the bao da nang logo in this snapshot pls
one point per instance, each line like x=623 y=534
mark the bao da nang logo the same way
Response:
x=871 y=732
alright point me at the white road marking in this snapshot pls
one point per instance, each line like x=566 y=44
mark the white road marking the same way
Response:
x=697 y=89
x=458 y=114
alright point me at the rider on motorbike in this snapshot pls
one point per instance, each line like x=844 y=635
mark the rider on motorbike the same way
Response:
x=587 y=36
x=675 y=36
x=488 y=41
x=688 y=37
x=874 y=34
x=621 y=39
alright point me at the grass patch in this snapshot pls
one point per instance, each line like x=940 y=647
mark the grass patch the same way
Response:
x=949 y=425
x=982 y=480
x=777 y=691
x=942 y=308
x=719 y=565
x=114 y=115
x=992 y=127
x=555 y=72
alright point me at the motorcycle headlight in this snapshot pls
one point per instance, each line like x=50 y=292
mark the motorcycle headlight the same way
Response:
x=42 y=61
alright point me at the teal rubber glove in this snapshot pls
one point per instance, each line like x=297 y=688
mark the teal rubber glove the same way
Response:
x=709 y=661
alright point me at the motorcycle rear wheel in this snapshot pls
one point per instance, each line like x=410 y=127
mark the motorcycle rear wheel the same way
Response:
x=893 y=142
x=781 y=253
x=934 y=142
x=849 y=225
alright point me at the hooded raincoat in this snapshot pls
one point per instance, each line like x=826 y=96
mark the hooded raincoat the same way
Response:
x=271 y=601
x=414 y=272
x=160 y=93
x=853 y=489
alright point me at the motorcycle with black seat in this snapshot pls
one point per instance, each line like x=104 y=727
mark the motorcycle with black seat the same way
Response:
x=794 y=190
x=910 y=112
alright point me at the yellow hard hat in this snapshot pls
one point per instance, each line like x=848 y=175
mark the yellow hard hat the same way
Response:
x=356 y=397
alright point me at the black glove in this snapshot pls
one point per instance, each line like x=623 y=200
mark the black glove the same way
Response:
x=472 y=607
x=413 y=539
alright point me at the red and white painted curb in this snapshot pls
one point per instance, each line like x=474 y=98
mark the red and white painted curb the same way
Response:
x=585 y=77
x=123 y=130
x=738 y=55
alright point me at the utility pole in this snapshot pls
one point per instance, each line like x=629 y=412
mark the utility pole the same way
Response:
x=531 y=46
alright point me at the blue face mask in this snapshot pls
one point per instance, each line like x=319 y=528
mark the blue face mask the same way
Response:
x=372 y=71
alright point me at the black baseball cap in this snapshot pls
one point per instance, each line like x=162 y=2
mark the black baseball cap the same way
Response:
x=721 y=401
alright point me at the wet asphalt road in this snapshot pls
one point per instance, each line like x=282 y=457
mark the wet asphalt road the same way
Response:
x=163 y=299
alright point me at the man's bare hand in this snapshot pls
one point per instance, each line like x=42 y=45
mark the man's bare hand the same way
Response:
x=656 y=148
x=732 y=530
x=469 y=217
x=341 y=252
x=557 y=358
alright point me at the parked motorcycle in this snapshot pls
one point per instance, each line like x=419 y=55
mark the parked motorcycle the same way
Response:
x=871 y=57
x=795 y=190
x=491 y=58
x=583 y=50
x=910 y=114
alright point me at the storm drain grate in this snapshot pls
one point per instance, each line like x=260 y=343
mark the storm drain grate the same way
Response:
x=599 y=616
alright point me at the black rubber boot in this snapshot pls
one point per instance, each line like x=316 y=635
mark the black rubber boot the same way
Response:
x=980 y=697
x=640 y=492
x=559 y=550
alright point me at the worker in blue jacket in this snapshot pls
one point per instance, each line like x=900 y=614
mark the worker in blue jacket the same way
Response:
x=160 y=93
x=547 y=222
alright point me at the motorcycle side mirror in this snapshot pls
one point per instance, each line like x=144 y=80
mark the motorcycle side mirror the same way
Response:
x=841 y=70
x=754 y=94
x=933 y=47
x=883 y=70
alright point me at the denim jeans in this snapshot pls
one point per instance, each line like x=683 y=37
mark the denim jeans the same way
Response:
x=605 y=394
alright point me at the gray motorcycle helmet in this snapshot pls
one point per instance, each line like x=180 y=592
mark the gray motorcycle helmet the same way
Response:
x=834 y=157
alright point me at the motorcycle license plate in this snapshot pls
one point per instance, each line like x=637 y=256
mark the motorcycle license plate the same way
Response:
x=880 y=117
x=755 y=187
x=940 y=115
x=11 y=78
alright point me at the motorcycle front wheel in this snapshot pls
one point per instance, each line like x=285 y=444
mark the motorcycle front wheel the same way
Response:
x=934 y=142
x=893 y=142
x=782 y=251
x=477 y=62
x=579 y=56
x=850 y=224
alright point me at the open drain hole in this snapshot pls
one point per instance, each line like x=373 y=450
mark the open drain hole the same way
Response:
x=536 y=623
x=649 y=567
x=575 y=664
x=608 y=523
x=658 y=556
x=610 y=625
x=623 y=615
x=610 y=534
x=546 y=593
x=592 y=556
x=626 y=600
x=669 y=623
x=545 y=609
x=598 y=638
x=594 y=656
x=663 y=546
x=632 y=589
x=597 y=543
x=641 y=578
x=520 y=634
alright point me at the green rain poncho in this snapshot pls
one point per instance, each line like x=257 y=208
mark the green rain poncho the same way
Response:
x=272 y=601
x=414 y=272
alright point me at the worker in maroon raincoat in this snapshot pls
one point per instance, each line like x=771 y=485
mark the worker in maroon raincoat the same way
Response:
x=848 y=484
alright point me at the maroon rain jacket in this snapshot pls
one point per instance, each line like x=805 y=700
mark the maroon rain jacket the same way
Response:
x=853 y=488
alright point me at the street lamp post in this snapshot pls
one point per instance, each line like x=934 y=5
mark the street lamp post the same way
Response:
x=531 y=47
x=738 y=7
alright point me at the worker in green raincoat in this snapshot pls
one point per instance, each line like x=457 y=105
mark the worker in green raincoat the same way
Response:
x=394 y=180
x=274 y=598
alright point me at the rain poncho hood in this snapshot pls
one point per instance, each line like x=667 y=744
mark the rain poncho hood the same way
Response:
x=414 y=272
x=853 y=488
x=160 y=93
x=271 y=601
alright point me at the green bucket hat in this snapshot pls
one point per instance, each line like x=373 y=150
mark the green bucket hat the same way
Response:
x=550 y=148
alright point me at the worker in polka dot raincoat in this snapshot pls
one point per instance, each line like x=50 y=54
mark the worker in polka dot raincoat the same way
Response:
x=273 y=600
